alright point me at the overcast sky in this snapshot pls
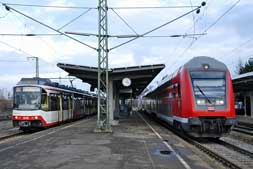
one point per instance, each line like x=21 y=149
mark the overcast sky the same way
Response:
x=228 y=40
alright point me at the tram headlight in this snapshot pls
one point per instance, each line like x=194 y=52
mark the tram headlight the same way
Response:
x=201 y=102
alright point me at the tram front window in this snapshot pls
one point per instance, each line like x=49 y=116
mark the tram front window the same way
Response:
x=27 y=98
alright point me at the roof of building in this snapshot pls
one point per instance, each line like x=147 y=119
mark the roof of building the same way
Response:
x=140 y=76
x=243 y=82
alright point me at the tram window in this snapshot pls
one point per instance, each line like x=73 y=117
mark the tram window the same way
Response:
x=44 y=102
x=54 y=100
x=65 y=104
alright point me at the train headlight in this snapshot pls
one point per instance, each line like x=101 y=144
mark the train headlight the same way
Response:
x=201 y=102
x=16 y=117
x=219 y=102
x=36 y=117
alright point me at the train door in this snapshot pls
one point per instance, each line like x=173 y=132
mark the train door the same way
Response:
x=84 y=105
x=60 y=111
x=248 y=106
x=70 y=107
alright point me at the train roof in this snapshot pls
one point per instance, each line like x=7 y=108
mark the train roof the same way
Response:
x=48 y=82
x=195 y=63
x=199 y=61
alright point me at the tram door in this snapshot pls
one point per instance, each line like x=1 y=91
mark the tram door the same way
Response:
x=60 y=111
x=248 y=106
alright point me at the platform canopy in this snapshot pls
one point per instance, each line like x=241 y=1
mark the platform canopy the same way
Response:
x=243 y=82
x=140 y=76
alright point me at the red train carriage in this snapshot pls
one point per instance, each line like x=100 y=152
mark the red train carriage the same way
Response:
x=39 y=103
x=198 y=98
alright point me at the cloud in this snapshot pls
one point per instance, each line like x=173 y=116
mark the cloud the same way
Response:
x=121 y=60
x=226 y=35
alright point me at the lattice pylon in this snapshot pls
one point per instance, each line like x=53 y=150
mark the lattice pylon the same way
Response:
x=103 y=124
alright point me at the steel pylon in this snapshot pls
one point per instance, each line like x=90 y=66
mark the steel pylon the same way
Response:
x=103 y=124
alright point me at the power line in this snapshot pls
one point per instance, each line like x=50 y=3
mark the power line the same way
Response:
x=152 y=7
x=156 y=28
x=50 y=6
x=29 y=34
x=1 y=17
x=11 y=61
x=85 y=7
x=131 y=28
x=17 y=49
x=39 y=37
x=45 y=25
x=241 y=45
x=211 y=25
x=157 y=36
x=74 y=19
x=227 y=11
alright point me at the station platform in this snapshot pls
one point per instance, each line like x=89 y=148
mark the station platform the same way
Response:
x=245 y=120
x=136 y=143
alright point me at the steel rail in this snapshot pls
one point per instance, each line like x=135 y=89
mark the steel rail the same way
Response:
x=214 y=155
x=234 y=147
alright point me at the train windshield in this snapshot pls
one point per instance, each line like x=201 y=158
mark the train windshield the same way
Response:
x=27 y=98
x=209 y=88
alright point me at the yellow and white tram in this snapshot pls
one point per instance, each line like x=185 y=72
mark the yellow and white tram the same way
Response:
x=40 y=103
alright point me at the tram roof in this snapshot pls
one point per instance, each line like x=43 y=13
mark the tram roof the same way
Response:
x=243 y=82
x=140 y=76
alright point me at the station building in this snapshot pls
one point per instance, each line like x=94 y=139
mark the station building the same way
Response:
x=243 y=89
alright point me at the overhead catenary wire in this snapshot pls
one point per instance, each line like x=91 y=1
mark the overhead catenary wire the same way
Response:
x=29 y=34
x=85 y=7
x=50 y=6
x=17 y=49
x=3 y=16
x=219 y=18
x=49 y=27
x=156 y=28
x=210 y=26
x=74 y=19
x=130 y=27
x=151 y=7
x=12 y=61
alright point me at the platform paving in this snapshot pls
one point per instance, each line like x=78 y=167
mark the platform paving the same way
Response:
x=7 y=129
x=132 y=145
x=245 y=119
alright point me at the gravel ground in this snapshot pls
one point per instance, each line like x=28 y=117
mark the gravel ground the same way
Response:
x=246 y=139
x=237 y=158
x=239 y=143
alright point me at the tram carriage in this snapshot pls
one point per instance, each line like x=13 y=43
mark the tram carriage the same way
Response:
x=40 y=103
x=197 y=99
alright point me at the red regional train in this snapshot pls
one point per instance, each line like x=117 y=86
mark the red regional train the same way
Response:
x=40 y=103
x=198 y=99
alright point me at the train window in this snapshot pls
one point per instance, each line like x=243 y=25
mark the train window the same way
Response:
x=209 y=88
x=27 y=98
x=65 y=104
x=44 y=102
x=179 y=90
x=54 y=103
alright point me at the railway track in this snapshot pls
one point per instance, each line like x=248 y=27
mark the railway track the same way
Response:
x=235 y=148
x=228 y=154
x=10 y=136
x=243 y=129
